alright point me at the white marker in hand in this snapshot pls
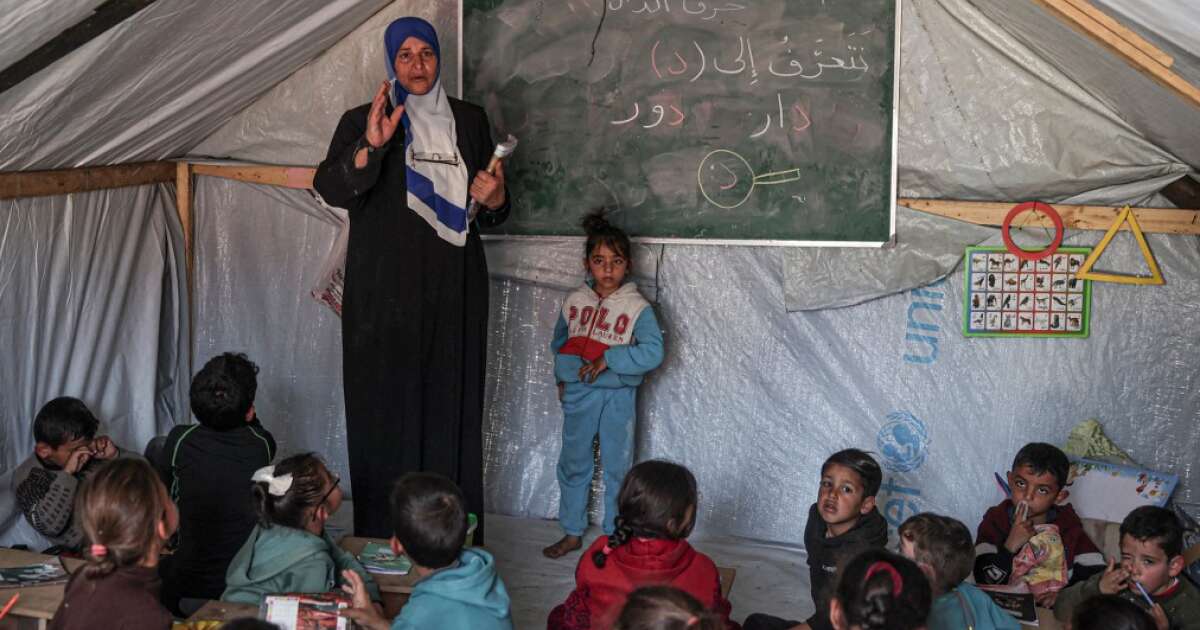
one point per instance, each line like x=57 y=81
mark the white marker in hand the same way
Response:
x=503 y=150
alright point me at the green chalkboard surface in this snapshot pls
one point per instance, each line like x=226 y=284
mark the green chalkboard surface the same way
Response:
x=748 y=120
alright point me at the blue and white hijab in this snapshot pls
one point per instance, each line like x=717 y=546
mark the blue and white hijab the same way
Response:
x=437 y=191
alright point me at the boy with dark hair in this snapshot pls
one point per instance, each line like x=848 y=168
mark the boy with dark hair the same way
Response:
x=1151 y=561
x=458 y=588
x=65 y=451
x=941 y=546
x=207 y=467
x=841 y=524
x=1038 y=484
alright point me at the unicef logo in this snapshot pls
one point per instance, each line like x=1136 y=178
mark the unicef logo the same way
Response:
x=903 y=441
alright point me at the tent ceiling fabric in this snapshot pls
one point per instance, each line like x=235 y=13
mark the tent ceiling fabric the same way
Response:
x=29 y=25
x=111 y=102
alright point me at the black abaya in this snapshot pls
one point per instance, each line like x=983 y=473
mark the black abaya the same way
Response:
x=414 y=324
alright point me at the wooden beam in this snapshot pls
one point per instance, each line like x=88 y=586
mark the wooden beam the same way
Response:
x=1183 y=192
x=1118 y=29
x=45 y=183
x=1158 y=220
x=106 y=16
x=1140 y=60
x=183 y=203
x=284 y=176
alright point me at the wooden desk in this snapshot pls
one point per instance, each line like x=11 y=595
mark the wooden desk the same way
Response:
x=214 y=610
x=37 y=604
x=727 y=576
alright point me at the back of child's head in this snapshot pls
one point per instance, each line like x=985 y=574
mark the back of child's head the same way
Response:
x=600 y=232
x=665 y=608
x=119 y=508
x=429 y=519
x=658 y=499
x=860 y=462
x=878 y=589
x=1156 y=524
x=62 y=420
x=944 y=545
x=286 y=493
x=1044 y=458
x=1111 y=612
x=223 y=391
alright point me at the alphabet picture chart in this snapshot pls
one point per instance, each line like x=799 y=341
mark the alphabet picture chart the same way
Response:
x=1009 y=296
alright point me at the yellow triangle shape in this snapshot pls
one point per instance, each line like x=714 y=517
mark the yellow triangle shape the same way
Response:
x=1085 y=272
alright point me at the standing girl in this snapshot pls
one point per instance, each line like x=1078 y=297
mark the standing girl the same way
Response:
x=126 y=518
x=605 y=342
x=658 y=510
x=288 y=551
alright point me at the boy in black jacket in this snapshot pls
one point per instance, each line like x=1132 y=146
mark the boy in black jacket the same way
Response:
x=841 y=524
x=207 y=467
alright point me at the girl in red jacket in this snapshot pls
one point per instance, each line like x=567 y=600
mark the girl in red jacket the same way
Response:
x=657 y=507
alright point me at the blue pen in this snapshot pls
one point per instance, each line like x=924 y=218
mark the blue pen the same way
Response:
x=1003 y=485
x=1144 y=593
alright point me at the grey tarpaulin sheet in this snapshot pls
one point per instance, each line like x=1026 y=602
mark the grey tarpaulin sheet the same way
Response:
x=91 y=294
x=162 y=80
x=750 y=396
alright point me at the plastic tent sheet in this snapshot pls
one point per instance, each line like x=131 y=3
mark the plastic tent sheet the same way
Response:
x=91 y=303
x=28 y=25
x=751 y=397
x=293 y=122
x=164 y=79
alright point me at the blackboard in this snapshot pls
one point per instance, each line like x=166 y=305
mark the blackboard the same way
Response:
x=768 y=121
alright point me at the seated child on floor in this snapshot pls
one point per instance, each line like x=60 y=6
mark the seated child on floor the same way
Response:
x=656 y=512
x=842 y=523
x=1111 y=612
x=941 y=547
x=878 y=590
x=1150 y=567
x=665 y=608
x=66 y=450
x=126 y=518
x=205 y=465
x=458 y=588
x=1035 y=536
x=289 y=551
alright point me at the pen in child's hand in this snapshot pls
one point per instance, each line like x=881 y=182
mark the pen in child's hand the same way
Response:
x=1003 y=485
x=1142 y=590
x=11 y=602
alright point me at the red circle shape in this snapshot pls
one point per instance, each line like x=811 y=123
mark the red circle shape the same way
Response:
x=1036 y=206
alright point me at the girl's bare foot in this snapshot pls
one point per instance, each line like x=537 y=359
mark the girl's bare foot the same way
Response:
x=564 y=546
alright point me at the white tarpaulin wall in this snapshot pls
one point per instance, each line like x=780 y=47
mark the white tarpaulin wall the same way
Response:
x=751 y=396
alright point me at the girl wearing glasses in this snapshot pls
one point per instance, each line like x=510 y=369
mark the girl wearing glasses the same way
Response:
x=288 y=551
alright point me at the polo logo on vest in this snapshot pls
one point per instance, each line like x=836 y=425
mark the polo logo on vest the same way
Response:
x=594 y=324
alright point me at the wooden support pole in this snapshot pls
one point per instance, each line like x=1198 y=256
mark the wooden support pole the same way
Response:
x=63 y=182
x=1160 y=220
x=183 y=203
x=283 y=176
x=1118 y=29
x=1082 y=21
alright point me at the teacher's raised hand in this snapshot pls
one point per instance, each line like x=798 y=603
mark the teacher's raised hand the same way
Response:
x=381 y=127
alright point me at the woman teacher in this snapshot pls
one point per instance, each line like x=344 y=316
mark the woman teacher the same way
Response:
x=415 y=307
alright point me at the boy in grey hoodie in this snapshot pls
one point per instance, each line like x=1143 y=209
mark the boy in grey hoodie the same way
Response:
x=459 y=588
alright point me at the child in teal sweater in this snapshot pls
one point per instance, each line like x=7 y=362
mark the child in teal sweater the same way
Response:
x=458 y=589
x=288 y=551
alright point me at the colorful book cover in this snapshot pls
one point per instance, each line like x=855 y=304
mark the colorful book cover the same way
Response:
x=306 y=611
x=378 y=558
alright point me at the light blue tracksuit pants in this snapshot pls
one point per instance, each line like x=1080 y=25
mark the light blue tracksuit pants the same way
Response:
x=588 y=411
